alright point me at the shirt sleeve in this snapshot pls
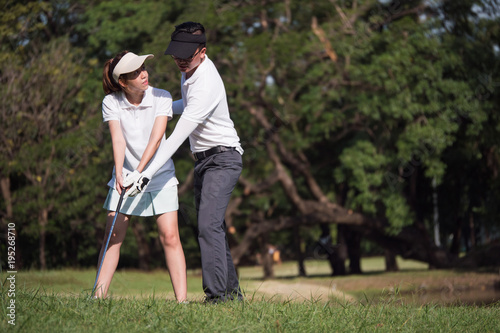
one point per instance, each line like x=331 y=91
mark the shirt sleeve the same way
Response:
x=167 y=149
x=178 y=106
x=202 y=100
x=109 y=108
x=164 y=107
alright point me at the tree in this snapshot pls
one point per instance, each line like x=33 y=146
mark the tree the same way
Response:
x=350 y=110
x=470 y=29
x=44 y=105
x=352 y=113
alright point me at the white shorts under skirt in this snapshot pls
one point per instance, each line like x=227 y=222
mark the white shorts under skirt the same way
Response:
x=146 y=203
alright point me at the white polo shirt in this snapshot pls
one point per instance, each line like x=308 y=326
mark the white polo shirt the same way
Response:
x=205 y=116
x=205 y=103
x=137 y=123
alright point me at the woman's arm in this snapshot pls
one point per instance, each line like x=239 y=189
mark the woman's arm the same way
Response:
x=157 y=134
x=119 y=145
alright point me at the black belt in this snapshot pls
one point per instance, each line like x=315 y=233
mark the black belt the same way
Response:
x=215 y=150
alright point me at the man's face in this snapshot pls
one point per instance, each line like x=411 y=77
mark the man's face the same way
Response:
x=190 y=64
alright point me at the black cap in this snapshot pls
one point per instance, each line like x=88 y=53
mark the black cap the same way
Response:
x=184 y=44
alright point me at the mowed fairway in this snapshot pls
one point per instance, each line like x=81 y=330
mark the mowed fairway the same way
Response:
x=413 y=299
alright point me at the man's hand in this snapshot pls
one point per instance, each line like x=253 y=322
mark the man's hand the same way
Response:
x=136 y=182
x=131 y=178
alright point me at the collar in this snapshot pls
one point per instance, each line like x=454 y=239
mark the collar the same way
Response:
x=147 y=100
x=201 y=68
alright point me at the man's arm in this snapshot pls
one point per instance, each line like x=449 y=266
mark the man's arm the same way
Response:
x=164 y=153
x=181 y=132
x=178 y=106
x=138 y=182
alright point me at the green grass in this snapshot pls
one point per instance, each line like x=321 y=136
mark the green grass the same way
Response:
x=126 y=283
x=45 y=312
x=58 y=301
x=129 y=282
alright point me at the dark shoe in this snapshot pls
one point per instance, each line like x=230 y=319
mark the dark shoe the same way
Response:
x=222 y=299
x=213 y=300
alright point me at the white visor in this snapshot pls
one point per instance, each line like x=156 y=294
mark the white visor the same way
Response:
x=129 y=63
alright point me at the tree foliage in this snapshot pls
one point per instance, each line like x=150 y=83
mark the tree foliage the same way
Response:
x=377 y=116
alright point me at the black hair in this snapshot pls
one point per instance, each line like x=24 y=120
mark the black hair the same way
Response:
x=192 y=28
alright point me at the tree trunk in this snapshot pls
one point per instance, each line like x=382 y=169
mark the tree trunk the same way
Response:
x=391 y=264
x=267 y=259
x=437 y=237
x=43 y=221
x=472 y=229
x=341 y=254
x=9 y=216
x=7 y=196
x=267 y=263
x=142 y=246
x=298 y=251
x=74 y=251
x=353 y=241
x=326 y=243
x=457 y=238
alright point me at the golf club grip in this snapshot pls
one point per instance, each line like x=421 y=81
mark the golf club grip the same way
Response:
x=120 y=201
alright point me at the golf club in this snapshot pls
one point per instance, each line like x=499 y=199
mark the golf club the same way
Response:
x=107 y=242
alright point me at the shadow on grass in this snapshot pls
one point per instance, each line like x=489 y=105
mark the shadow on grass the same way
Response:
x=324 y=275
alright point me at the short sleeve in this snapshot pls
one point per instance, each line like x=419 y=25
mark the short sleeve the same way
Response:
x=163 y=104
x=110 y=108
x=203 y=95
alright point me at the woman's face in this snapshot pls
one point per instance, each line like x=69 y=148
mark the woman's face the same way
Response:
x=136 y=81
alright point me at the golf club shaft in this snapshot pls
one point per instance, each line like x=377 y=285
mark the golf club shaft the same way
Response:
x=107 y=242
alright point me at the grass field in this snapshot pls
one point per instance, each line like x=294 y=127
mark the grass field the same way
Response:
x=412 y=300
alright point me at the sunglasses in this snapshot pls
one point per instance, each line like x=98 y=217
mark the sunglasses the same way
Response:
x=186 y=59
x=133 y=75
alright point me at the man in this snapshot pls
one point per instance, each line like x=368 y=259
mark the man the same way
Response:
x=217 y=151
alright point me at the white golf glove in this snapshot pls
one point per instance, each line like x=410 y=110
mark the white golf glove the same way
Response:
x=136 y=182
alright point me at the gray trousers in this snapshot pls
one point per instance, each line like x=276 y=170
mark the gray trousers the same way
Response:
x=214 y=180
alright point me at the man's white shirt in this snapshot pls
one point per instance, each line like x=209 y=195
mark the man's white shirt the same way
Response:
x=205 y=116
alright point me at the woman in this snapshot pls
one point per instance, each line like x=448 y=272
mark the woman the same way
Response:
x=137 y=116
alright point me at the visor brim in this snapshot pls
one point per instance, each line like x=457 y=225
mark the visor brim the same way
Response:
x=181 y=50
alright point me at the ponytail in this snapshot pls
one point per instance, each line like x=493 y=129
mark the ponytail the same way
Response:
x=109 y=85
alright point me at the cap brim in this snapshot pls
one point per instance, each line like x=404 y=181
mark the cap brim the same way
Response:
x=136 y=63
x=129 y=63
x=181 y=50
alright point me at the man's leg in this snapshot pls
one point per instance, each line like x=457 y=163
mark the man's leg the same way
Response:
x=233 y=284
x=215 y=179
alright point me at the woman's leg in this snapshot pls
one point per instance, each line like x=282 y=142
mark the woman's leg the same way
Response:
x=174 y=254
x=112 y=254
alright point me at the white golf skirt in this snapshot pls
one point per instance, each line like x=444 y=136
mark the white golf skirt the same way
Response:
x=146 y=203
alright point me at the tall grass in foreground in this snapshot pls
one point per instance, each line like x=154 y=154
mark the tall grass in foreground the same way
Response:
x=58 y=301
x=40 y=311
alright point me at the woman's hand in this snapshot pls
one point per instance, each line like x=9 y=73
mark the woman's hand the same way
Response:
x=119 y=183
